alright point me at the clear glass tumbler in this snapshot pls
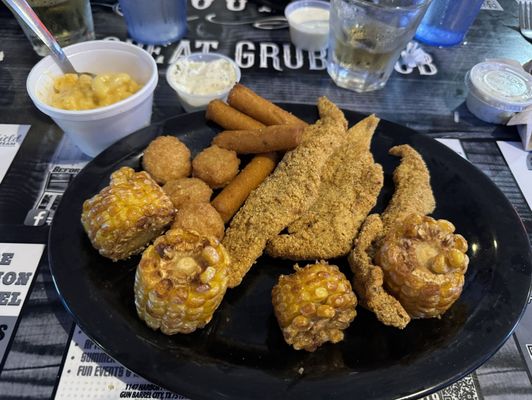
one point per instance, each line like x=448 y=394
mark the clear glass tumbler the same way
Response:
x=155 y=21
x=525 y=18
x=70 y=21
x=366 y=38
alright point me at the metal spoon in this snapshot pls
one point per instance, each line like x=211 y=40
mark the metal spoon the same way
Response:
x=26 y=13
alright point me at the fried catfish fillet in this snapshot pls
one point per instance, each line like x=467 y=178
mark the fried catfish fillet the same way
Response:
x=413 y=193
x=349 y=189
x=368 y=278
x=286 y=194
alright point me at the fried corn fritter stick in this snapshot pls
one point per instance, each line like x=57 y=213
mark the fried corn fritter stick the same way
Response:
x=264 y=140
x=250 y=103
x=413 y=193
x=229 y=118
x=349 y=189
x=368 y=278
x=229 y=200
x=286 y=194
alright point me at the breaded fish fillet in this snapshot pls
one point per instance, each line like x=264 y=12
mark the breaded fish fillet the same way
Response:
x=350 y=185
x=413 y=193
x=368 y=278
x=286 y=194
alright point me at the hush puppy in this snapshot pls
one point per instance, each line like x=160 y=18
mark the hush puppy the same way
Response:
x=166 y=158
x=200 y=217
x=215 y=166
x=187 y=191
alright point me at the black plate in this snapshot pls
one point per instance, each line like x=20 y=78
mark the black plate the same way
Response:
x=241 y=353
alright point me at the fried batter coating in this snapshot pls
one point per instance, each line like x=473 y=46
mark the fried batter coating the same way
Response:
x=215 y=166
x=166 y=158
x=368 y=278
x=413 y=193
x=180 y=281
x=424 y=264
x=313 y=305
x=351 y=182
x=126 y=215
x=200 y=217
x=286 y=194
x=187 y=191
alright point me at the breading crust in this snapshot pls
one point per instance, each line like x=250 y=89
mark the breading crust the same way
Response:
x=413 y=193
x=350 y=185
x=368 y=278
x=286 y=194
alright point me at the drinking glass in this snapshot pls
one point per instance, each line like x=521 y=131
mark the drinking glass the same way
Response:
x=447 y=21
x=155 y=21
x=70 y=21
x=366 y=38
x=525 y=18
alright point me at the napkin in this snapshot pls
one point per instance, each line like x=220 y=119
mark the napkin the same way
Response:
x=523 y=119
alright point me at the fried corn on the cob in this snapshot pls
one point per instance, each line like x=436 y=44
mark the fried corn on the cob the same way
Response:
x=126 y=215
x=424 y=264
x=180 y=281
x=313 y=305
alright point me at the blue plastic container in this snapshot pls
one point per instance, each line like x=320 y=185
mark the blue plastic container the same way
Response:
x=447 y=21
x=155 y=21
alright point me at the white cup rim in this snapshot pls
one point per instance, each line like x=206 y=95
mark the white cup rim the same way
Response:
x=100 y=112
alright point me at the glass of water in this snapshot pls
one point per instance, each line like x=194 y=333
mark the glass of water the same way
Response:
x=366 y=38
x=70 y=21
x=155 y=21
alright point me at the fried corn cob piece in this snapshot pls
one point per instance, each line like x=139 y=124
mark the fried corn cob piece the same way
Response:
x=126 y=215
x=180 y=281
x=313 y=305
x=424 y=264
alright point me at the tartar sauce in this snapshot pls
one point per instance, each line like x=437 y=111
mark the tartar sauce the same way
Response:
x=204 y=77
x=309 y=27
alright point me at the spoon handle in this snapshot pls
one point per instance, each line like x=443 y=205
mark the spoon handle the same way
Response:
x=26 y=13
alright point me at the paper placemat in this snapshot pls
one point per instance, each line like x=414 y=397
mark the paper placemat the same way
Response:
x=492 y=5
x=89 y=373
x=516 y=158
x=11 y=137
x=18 y=263
x=66 y=163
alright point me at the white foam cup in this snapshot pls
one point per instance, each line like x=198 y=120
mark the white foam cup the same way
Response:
x=95 y=130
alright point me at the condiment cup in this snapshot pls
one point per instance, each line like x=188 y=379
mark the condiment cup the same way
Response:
x=95 y=130
x=497 y=89
x=308 y=31
x=194 y=102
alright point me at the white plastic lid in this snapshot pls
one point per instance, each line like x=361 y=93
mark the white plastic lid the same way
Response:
x=501 y=84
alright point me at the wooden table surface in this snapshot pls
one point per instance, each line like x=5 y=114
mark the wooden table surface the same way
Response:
x=432 y=104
